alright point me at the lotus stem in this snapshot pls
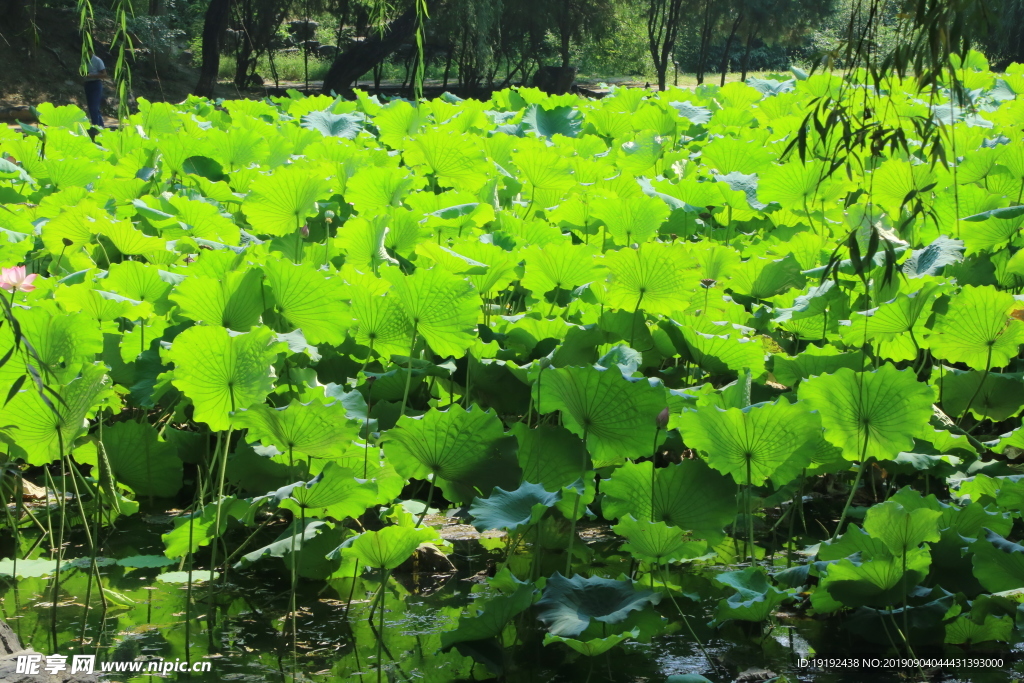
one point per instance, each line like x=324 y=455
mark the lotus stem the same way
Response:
x=636 y=311
x=576 y=506
x=430 y=499
x=849 y=499
x=380 y=632
x=750 y=517
x=408 y=376
x=984 y=376
x=693 y=634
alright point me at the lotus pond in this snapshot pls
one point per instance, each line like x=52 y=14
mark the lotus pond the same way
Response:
x=692 y=383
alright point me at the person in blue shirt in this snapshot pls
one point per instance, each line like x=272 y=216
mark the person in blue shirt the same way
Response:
x=96 y=72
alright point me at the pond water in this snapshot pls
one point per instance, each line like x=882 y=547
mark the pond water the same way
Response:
x=242 y=626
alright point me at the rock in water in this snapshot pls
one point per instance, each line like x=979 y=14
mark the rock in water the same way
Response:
x=11 y=649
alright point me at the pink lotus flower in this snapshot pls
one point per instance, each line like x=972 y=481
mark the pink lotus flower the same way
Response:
x=15 y=279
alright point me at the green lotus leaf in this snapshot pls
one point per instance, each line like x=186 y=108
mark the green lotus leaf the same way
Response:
x=234 y=301
x=313 y=429
x=334 y=485
x=330 y=124
x=67 y=173
x=771 y=86
x=977 y=329
x=755 y=598
x=550 y=455
x=375 y=188
x=896 y=182
x=398 y=120
x=199 y=528
x=993 y=235
x=60 y=117
x=145 y=561
x=464 y=450
x=184 y=577
x=389 y=547
x=966 y=631
x=870 y=414
x=998 y=563
x=140 y=459
x=204 y=167
x=141 y=282
x=995 y=396
x=251 y=143
x=1004 y=213
x=762 y=278
x=546 y=122
x=728 y=154
x=657 y=542
x=64 y=342
x=773 y=440
x=490 y=618
x=512 y=510
x=222 y=373
x=900 y=529
x=442 y=308
x=31 y=569
x=814 y=360
x=688 y=495
x=724 y=354
x=562 y=265
x=633 y=219
x=877 y=582
x=380 y=321
x=544 y=169
x=501 y=266
x=904 y=314
x=648 y=278
x=615 y=417
x=930 y=260
x=128 y=240
x=569 y=605
x=279 y=203
x=293 y=538
x=745 y=183
x=309 y=300
x=812 y=304
x=455 y=159
x=695 y=114
x=639 y=155
x=37 y=429
x=200 y=220
x=594 y=646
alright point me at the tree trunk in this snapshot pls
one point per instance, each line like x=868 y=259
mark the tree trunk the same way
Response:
x=213 y=26
x=565 y=49
x=447 y=66
x=746 y=54
x=728 y=45
x=705 y=41
x=655 y=33
x=362 y=57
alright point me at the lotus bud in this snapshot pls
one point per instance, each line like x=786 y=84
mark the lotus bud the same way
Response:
x=304 y=231
x=662 y=420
